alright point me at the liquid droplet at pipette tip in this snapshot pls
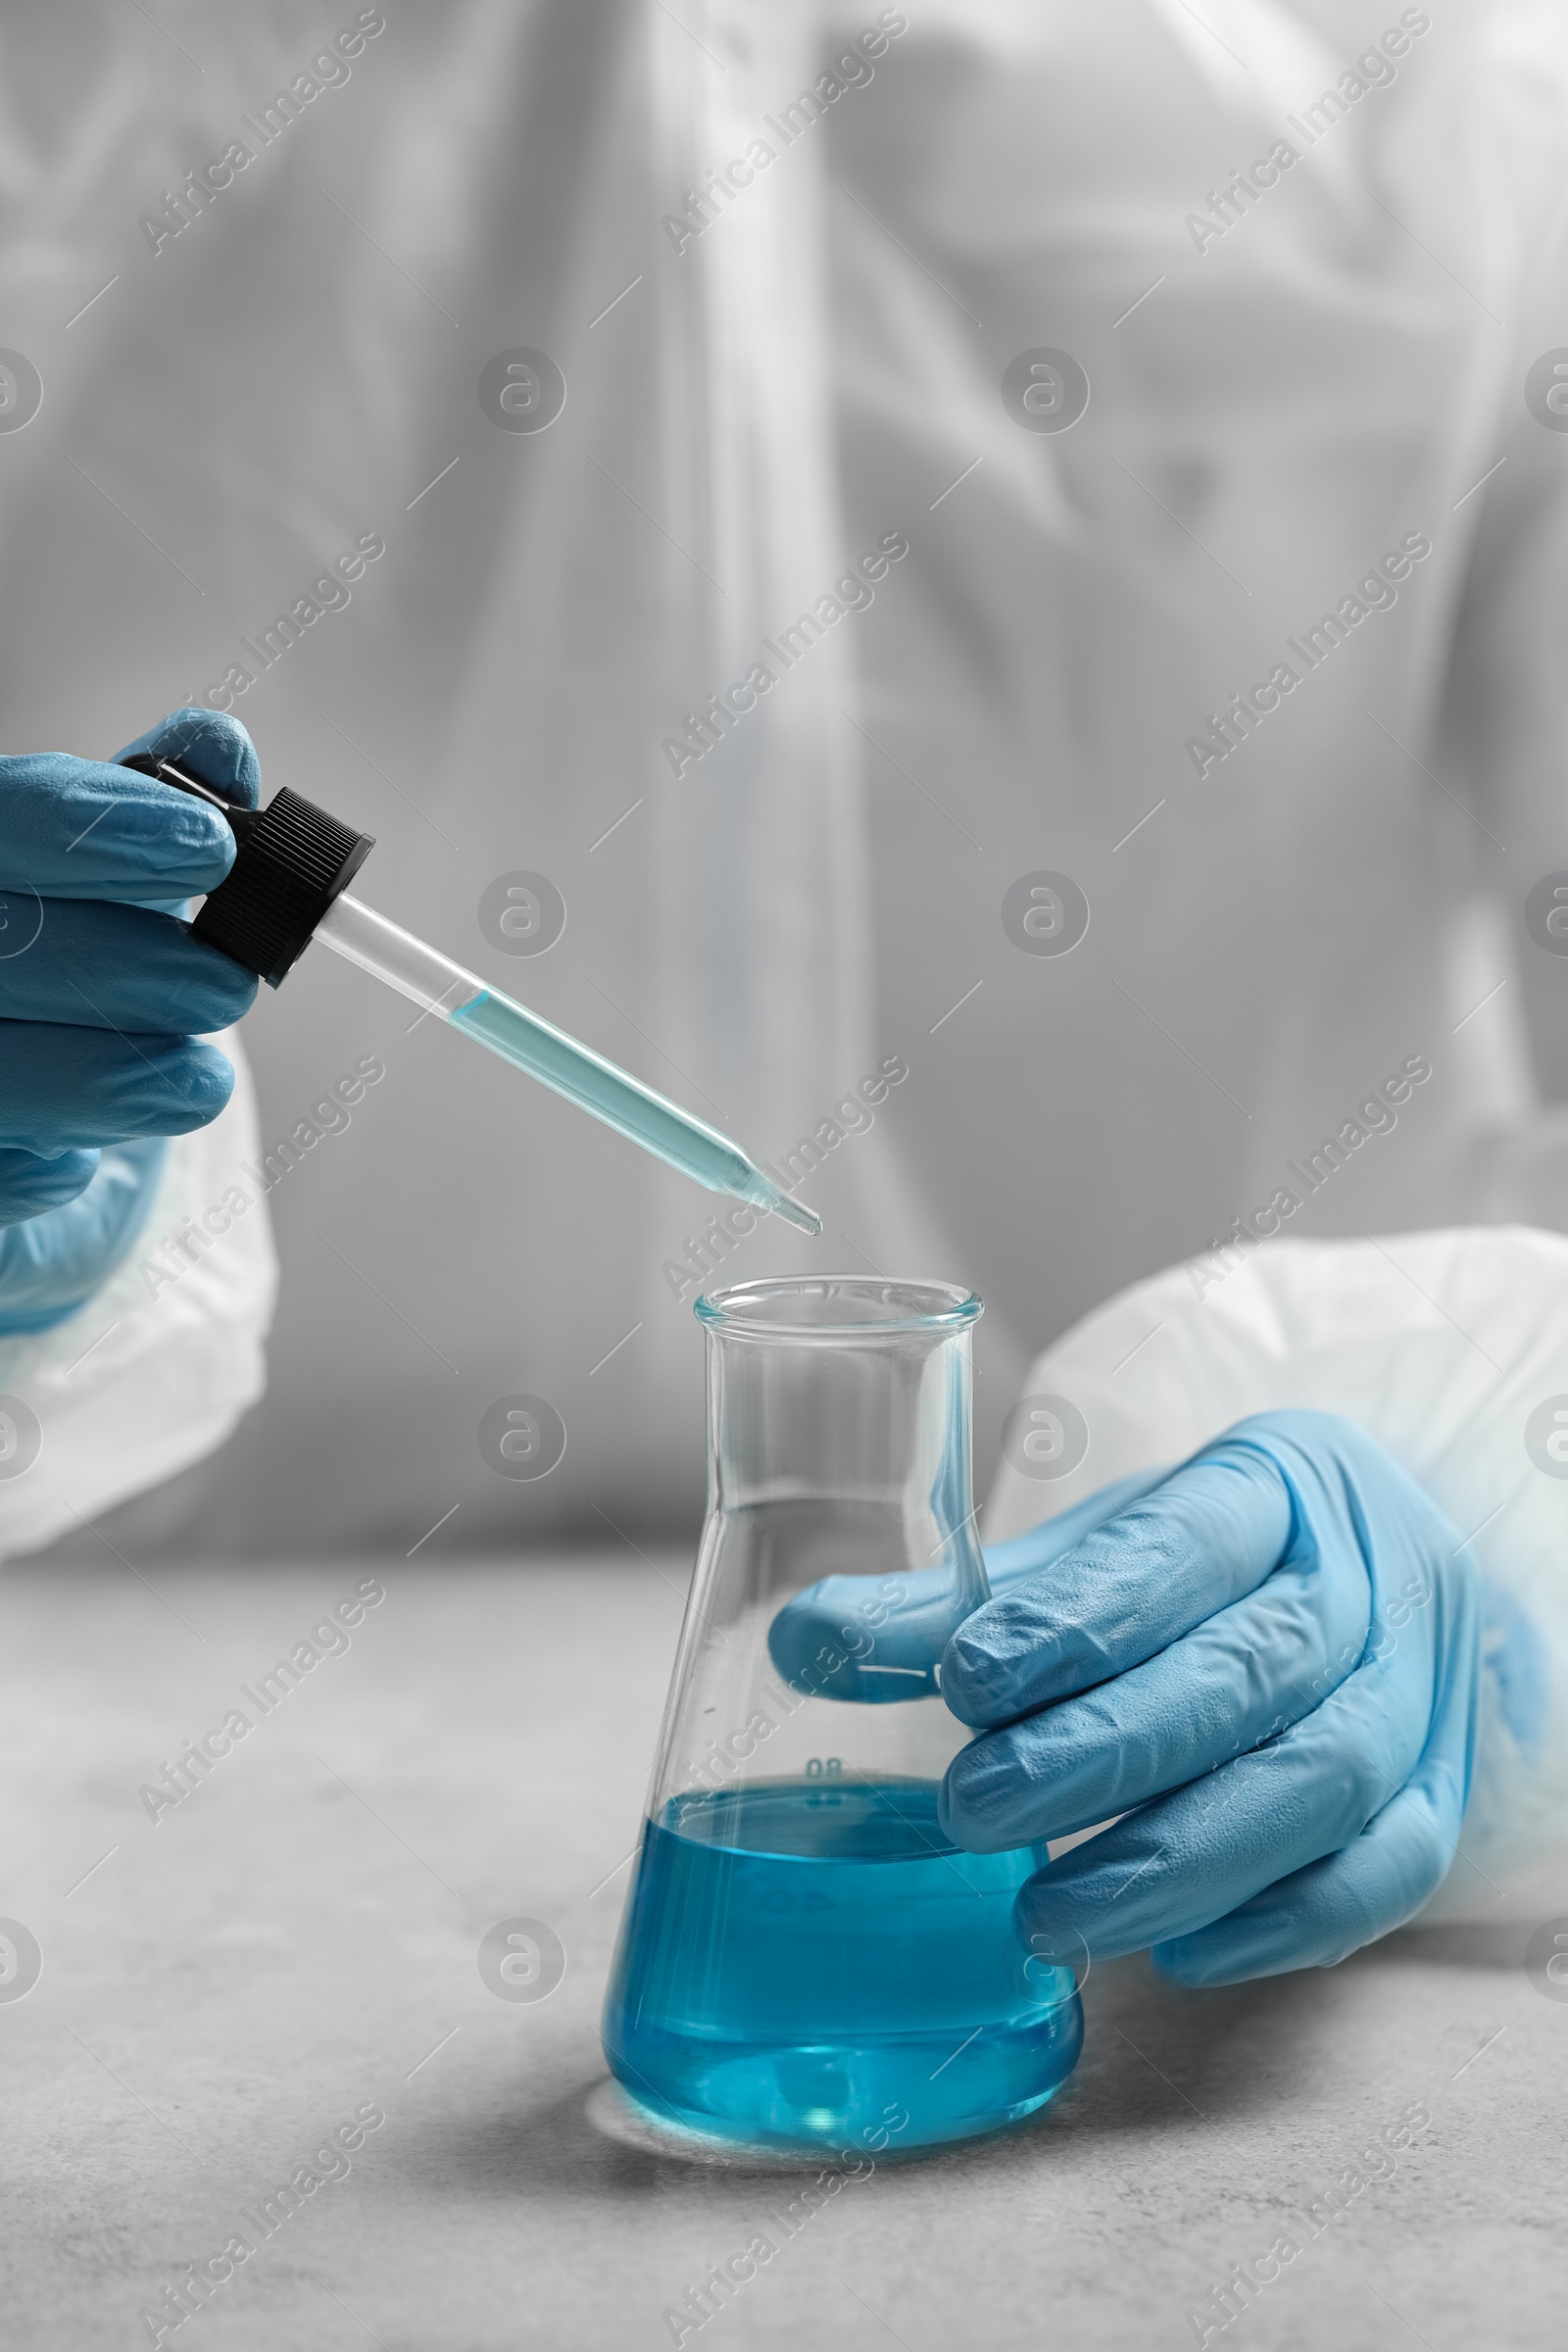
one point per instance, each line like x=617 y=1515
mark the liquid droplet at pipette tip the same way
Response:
x=766 y=1193
x=798 y=1213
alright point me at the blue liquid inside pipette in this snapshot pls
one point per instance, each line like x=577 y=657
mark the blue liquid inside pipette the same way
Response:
x=804 y=1959
x=522 y=1038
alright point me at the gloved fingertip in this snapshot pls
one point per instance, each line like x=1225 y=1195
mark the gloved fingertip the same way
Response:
x=30 y=1184
x=789 y=1646
x=975 y=1803
x=805 y=1657
x=211 y=746
x=219 y=751
x=955 y=1811
x=1040 y=1911
x=208 y=1078
x=179 y=1084
x=979 y=1676
x=177 y=844
x=226 y=994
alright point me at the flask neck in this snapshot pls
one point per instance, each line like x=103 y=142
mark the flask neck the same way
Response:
x=874 y=1425
x=840 y=1552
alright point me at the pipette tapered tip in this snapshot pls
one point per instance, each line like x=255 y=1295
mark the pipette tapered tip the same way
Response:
x=767 y=1194
x=798 y=1213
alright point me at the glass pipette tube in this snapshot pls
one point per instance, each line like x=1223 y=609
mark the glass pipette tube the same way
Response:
x=439 y=986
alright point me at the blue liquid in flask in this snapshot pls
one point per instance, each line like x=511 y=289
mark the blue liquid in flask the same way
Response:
x=802 y=1959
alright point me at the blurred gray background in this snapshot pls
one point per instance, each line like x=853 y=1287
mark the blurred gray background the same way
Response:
x=1340 y=362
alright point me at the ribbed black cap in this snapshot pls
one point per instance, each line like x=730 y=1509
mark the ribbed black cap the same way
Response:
x=291 y=860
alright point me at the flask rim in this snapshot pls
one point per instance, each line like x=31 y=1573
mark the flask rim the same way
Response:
x=853 y=1306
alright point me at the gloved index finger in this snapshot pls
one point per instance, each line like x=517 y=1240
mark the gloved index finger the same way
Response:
x=866 y=1637
x=1210 y=1533
x=1012 y=1562
x=210 y=745
x=86 y=829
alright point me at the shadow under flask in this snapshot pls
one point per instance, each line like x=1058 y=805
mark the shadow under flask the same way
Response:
x=806 y=1959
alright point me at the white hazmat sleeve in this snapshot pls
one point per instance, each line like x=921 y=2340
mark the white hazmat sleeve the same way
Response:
x=157 y=1368
x=1453 y=1348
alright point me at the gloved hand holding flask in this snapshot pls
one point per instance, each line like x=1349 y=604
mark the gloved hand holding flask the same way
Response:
x=1265 y=1661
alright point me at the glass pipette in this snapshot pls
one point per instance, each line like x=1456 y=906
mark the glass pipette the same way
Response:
x=438 y=985
x=287 y=886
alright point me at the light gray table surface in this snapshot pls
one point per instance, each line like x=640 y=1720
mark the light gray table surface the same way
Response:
x=223 y=1987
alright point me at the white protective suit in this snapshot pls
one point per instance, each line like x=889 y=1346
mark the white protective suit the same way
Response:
x=153 y=1374
x=1285 y=389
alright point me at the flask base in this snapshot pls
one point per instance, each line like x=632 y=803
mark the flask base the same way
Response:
x=890 y=2096
x=811 y=1964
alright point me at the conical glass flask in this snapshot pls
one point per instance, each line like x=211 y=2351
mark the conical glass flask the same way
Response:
x=806 y=1959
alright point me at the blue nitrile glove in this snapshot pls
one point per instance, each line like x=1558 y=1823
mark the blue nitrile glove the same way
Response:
x=1268 y=1663
x=100 y=996
x=879 y=1640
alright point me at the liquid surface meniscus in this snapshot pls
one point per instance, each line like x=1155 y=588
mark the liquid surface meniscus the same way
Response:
x=804 y=1960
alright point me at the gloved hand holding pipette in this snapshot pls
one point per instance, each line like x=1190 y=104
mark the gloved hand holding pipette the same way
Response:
x=288 y=884
x=1266 y=1660
x=104 y=991
x=102 y=999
